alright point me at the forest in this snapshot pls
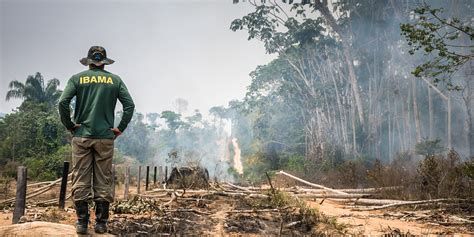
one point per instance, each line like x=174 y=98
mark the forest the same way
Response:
x=360 y=94
x=375 y=82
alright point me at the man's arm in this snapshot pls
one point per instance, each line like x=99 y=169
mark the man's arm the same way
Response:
x=128 y=107
x=64 y=110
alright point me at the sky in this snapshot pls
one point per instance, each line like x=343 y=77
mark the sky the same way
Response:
x=164 y=49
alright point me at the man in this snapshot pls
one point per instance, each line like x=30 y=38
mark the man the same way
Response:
x=96 y=92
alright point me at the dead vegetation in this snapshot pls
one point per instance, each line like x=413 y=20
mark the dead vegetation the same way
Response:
x=193 y=206
x=221 y=210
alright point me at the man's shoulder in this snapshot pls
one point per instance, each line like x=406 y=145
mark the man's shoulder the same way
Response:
x=110 y=74
x=92 y=72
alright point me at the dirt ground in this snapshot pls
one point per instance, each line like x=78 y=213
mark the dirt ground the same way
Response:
x=382 y=222
x=217 y=216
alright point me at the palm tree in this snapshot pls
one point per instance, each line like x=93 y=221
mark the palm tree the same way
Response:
x=35 y=90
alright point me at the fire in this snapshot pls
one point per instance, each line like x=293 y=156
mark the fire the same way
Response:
x=237 y=161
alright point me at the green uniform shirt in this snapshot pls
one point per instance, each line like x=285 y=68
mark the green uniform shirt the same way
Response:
x=96 y=92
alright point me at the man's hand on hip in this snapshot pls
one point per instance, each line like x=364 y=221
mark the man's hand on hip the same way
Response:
x=116 y=131
x=74 y=128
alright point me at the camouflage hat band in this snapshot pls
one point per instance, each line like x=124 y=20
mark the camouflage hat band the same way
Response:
x=97 y=56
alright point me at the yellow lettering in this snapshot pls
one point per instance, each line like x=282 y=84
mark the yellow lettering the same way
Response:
x=102 y=79
x=85 y=80
x=80 y=80
x=93 y=79
x=109 y=80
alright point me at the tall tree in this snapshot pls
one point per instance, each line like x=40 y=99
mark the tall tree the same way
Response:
x=35 y=90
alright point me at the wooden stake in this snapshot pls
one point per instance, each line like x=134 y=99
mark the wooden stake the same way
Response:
x=20 y=200
x=147 y=179
x=127 y=182
x=154 y=176
x=62 y=192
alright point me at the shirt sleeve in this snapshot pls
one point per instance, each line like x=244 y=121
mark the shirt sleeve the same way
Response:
x=128 y=106
x=64 y=102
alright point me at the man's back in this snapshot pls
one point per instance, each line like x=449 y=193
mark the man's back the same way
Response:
x=96 y=92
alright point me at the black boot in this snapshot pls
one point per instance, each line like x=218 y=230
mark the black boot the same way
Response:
x=101 y=216
x=82 y=212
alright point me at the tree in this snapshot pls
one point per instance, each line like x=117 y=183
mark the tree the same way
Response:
x=137 y=141
x=448 y=41
x=35 y=90
x=151 y=117
x=265 y=22
x=447 y=44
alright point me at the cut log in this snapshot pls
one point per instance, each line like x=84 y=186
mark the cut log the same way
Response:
x=309 y=183
x=253 y=210
x=237 y=187
x=362 y=201
x=39 y=184
x=36 y=192
x=38 y=229
x=405 y=203
x=332 y=195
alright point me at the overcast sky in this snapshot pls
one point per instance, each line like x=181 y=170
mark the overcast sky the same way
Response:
x=164 y=49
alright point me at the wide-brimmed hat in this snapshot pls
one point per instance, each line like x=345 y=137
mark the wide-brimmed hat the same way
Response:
x=97 y=56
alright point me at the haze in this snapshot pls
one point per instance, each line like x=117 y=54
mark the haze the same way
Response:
x=164 y=49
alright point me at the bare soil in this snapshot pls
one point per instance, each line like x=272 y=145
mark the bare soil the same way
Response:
x=217 y=215
x=383 y=222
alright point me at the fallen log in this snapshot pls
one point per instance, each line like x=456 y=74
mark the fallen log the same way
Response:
x=367 y=201
x=39 y=184
x=332 y=195
x=50 y=201
x=309 y=183
x=38 y=228
x=153 y=196
x=167 y=190
x=405 y=203
x=238 y=187
x=298 y=189
x=252 y=210
x=229 y=194
x=36 y=192
x=368 y=190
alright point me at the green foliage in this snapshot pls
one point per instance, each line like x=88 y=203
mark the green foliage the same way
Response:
x=31 y=131
x=296 y=163
x=429 y=147
x=136 y=141
x=9 y=169
x=33 y=134
x=444 y=38
x=265 y=25
x=444 y=176
x=172 y=119
x=469 y=168
x=49 y=167
x=35 y=90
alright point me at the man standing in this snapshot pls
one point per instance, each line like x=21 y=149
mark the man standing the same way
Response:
x=96 y=92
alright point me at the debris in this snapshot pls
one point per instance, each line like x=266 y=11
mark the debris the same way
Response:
x=188 y=178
